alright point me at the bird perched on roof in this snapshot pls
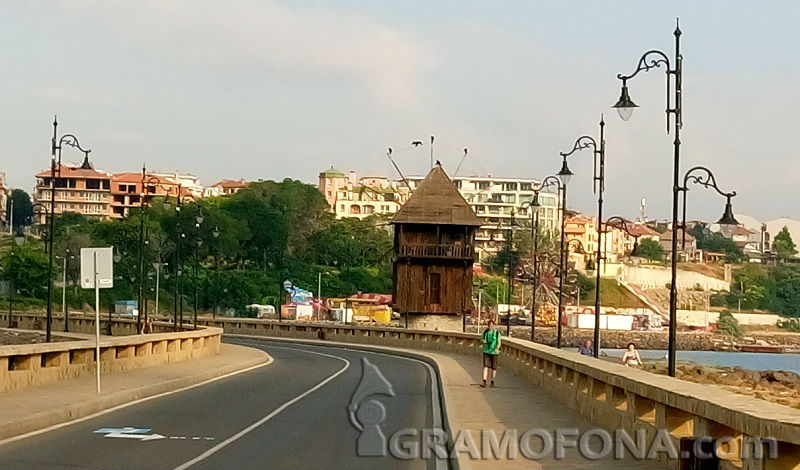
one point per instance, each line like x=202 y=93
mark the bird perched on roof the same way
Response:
x=416 y=143
x=438 y=163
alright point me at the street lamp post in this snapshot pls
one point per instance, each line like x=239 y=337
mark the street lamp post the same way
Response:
x=55 y=163
x=157 y=266
x=19 y=239
x=564 y=176
x=599 y=186
x=64 y=306
x=534 y=206
x=215 y=233
x=702 y=176
x=620 y=223
x=650 y=60
x=199 y=241
x=511 y=267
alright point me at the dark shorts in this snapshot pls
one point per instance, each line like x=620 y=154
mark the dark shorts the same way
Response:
x=490 y=361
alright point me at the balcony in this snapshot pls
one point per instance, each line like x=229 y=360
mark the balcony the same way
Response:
x=436 y=251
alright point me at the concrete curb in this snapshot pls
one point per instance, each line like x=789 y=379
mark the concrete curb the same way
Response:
x=38 y=422
x=445 y=395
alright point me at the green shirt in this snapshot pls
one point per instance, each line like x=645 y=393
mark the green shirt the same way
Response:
x=491 y=342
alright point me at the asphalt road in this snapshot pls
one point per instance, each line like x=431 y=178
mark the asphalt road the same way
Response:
x=290 y=414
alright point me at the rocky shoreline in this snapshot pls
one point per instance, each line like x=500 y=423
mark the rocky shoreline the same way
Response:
x=776 y=386
x=687 y=340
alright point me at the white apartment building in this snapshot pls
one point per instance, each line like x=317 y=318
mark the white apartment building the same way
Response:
x=5 y=192
x=189 y=183
x=353 y=196
x=491 y=198
x=494 y=198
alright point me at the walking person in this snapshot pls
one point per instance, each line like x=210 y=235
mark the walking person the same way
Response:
x=491 y=349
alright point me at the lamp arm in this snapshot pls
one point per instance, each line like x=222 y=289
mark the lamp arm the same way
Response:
x=550 y=181
x=583 y=142
x=648 y=62
x=702 y=176
x=72 y=141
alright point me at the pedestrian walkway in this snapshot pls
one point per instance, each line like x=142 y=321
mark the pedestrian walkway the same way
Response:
x=513 y=404
x=42 y=406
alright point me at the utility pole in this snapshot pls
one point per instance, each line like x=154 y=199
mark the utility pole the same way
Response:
x=64 y=294
x=11 y=217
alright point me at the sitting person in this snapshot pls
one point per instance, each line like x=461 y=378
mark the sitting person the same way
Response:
x=586 y=348
x=631 y=357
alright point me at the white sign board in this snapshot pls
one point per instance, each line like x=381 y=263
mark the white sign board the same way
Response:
x=105 y=267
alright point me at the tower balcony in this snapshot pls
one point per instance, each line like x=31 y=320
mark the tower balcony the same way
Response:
x=445 y=251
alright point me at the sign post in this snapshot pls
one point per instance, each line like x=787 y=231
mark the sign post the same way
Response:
x=97 y=271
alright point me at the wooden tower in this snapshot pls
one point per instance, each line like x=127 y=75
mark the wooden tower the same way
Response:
x=434 y=249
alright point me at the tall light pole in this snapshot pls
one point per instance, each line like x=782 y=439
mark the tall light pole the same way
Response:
x=616 y=222
x=650 y=60
x=55 y=167
x=534 y=205
x=64 y=305
x=199 y=241
x=157 y=266
x=19 y=239
x=10 y=215
x=216 y=233
x=564 y=176
x=511 y=267
x=599 y=186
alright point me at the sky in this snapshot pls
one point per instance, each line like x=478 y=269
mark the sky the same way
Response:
x=275 y=89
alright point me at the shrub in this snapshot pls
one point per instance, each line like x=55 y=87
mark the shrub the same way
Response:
x=790 y=324
x=728 y=324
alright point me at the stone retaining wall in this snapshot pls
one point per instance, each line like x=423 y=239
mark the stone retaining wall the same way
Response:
x=36 y=364
x=609 y=395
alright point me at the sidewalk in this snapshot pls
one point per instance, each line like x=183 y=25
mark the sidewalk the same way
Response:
x=39 y=407
x=513 y=404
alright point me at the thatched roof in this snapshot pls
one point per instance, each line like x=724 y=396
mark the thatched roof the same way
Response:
x=436 y=201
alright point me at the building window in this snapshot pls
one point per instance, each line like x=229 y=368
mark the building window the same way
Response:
x=484 y=184
x=434 y=288
x=509 y=186
x=525 y=187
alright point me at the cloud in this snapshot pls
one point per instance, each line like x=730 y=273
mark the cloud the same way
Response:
x=251 y=36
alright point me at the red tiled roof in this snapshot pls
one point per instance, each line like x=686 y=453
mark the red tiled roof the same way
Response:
x=75 y=172
x=232 y=184
x=137 y=178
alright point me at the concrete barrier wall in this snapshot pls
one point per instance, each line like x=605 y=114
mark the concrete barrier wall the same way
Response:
x=36 y=364
x=653 y=277
x=609 y=395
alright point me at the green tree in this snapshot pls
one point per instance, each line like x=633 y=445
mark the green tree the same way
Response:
x=728 y=324
x=26 y=267
x=717 y=242
x=650 y=249
x=23 y=208
x=783 y=245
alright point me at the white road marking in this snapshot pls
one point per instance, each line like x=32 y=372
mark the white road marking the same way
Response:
x=125 y=405
x=271 y=415
x=141 y=437
x=436 y=409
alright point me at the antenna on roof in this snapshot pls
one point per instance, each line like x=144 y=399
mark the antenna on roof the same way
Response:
x=431 y=151
x=466 y=151
x=389 y=154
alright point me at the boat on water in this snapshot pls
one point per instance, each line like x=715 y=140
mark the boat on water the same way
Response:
x=769 y=349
